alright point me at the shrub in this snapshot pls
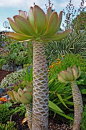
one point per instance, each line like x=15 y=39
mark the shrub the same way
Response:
x=8 y=126
x=5 y=113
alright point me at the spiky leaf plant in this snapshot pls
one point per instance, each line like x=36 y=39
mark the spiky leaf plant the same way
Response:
x=69 y=76
x=39 y=28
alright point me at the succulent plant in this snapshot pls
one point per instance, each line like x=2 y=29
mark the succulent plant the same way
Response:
x=69 y=76
x=37 y=25
x=39 y=28
x=23 y=96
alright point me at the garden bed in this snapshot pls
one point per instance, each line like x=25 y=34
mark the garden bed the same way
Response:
x=54 y=123
x=3 y=73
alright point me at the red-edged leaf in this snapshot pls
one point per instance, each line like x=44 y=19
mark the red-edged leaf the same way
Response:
x=24 y=25
x=23 y=14
x=31 y=17
x=59 y=21
x=57 y=37
x=18 y=37
x=14 y=26
x=52 y=25
x=49 y=12
x=61 y=35
x=40 y=19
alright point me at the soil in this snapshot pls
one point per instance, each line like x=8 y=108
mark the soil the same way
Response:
x=3 y=73
x=54 y=123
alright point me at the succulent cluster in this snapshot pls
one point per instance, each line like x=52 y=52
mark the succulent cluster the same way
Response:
x=37 y=26
x=69 y=75
x=13 y=78
x=22 y=96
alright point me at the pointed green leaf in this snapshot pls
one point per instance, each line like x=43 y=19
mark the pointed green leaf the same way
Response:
x=23 y=14
x=24 y=25
x=61 y=36
x=69 y=103
x=18 y=37
x=56 y=109
x=49 y=12
x=57 y=37
x=31 y=74
x=52 y=25
x=54 y=106
x=62 y=101
x=68 y=97
x=31 y=17
x=14 y=26
x=40 y=19
x=64 y=115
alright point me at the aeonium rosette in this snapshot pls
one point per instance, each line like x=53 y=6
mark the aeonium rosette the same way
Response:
x=22 y=95
x=37 y=26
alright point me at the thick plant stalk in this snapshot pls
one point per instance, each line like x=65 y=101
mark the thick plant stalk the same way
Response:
x=29 y=115
x=78 y=105
x=40 y=88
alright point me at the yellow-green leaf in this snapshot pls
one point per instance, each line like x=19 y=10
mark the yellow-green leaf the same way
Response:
x=54 y=107
x=52 y=25
x=18 y=37
x=24 y=25
x=59 y=21
x=49 y=12
x=31 y=17
x=61 y=36
x=14 y=26
x=40 y=19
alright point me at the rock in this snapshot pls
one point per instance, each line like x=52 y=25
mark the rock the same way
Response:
x=6 y=96
x=19 y=68
x=5 y=67
x=10 y=68
x=1 y=90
